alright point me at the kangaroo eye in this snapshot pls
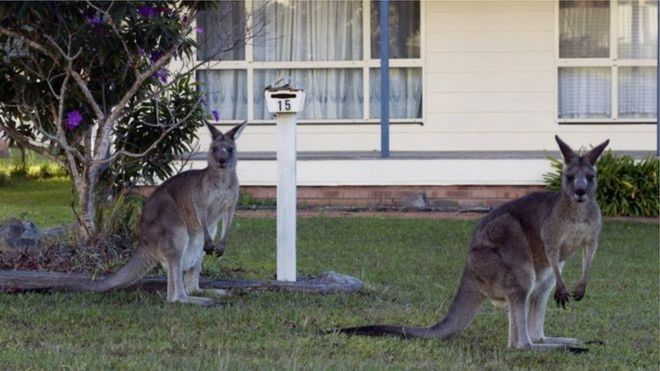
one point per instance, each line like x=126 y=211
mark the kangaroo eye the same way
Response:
x=590 y=178
x=570 y=178
x=230 y=150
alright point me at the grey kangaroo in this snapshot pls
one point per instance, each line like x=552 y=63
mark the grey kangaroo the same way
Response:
x=179 y=221
x=516 y=257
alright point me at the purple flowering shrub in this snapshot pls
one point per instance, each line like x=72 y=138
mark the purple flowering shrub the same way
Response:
x=110 y=45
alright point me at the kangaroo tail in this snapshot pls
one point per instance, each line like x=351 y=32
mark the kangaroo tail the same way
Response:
x=461 y=312
x=137 y=266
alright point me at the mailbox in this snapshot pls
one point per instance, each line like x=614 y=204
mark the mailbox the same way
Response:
x=280 y=100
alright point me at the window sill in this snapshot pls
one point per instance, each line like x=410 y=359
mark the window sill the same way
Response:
x=607 y=122
x=303 y=122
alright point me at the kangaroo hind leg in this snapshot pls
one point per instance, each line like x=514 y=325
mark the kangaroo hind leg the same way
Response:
x=191 y=282
x=176 y=291
x=538 y=303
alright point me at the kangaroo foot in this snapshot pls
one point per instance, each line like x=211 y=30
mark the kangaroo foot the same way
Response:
x=215 y=292
x=197 y=300
x=559 y=340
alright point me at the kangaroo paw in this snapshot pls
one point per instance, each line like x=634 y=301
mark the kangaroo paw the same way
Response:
x=561 y=297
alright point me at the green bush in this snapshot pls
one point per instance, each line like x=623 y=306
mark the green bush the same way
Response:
x=626 y=187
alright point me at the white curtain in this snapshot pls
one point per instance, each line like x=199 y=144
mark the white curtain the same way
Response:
x=308 y=30
x=584 y=29
x=226 y=92
x=638 y=29
x=312 y=31
x=405 y=93
x=405 y=38
x=637 y=39
x=637 y=92
x=585 y=92
x=221 y=32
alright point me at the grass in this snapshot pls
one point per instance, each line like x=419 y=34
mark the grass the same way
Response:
x=410 y=266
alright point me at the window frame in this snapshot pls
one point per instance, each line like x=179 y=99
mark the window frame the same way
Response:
x=366 y=63
x=612 y=62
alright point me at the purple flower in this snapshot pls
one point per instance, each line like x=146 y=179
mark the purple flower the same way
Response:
x=73 y=119
x=216 y=115
x=148 y=11
x=162 y=75
x=95 y=19
x=154 y=56
x=141 y=52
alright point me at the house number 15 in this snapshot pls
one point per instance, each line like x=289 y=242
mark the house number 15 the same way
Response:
x=284 y=105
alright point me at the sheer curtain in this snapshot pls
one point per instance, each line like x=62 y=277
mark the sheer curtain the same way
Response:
x=308 y=31
x=638 y=29
x=584 y=29
x=312 y=31
x=405 y=93
x=221 y=32
x=405 y=38
x=585 y=93
x=637 y=39
x=637 y=92
x=220 y=35
x=405 y=83
x=226 y=92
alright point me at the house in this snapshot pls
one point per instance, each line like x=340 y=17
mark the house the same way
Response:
x=477 y=91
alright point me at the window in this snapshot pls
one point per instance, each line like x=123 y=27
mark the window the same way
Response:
x=607 y=59
x=329 y=48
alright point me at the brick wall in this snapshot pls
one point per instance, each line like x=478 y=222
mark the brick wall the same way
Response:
x=407 y=196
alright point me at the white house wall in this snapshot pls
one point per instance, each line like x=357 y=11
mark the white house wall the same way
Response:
x=399 y=172
x=490 y=85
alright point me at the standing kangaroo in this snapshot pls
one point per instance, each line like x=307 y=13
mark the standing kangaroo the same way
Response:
x=179 y=221
x=516 y=256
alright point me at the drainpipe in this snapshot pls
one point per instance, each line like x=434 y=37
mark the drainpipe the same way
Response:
x=384 y=79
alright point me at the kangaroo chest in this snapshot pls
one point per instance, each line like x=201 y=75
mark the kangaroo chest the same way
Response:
x=219 y=201
x=574 y=236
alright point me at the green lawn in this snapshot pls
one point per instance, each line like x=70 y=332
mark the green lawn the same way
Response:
x=410 y=267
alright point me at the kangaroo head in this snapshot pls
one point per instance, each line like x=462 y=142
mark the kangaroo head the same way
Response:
x=579 y=176
x=222 y=153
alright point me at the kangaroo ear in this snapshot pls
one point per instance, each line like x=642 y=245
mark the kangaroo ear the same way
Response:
x=592 y=156
x=214 y=132
x=566 y=151
x=236 y=131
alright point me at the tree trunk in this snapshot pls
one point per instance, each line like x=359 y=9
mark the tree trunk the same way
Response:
x=86 y=209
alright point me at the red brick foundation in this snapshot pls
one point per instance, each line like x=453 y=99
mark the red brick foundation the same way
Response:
x=397 y=196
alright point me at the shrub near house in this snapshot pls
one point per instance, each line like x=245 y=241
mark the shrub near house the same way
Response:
x=626 y=187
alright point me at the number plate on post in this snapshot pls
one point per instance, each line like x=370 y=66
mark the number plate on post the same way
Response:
x=285 y=100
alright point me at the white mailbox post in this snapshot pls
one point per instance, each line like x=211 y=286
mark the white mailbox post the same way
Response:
x=285 y=103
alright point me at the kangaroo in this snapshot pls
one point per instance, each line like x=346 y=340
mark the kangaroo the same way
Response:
x=179 y=221
x=516 y=257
